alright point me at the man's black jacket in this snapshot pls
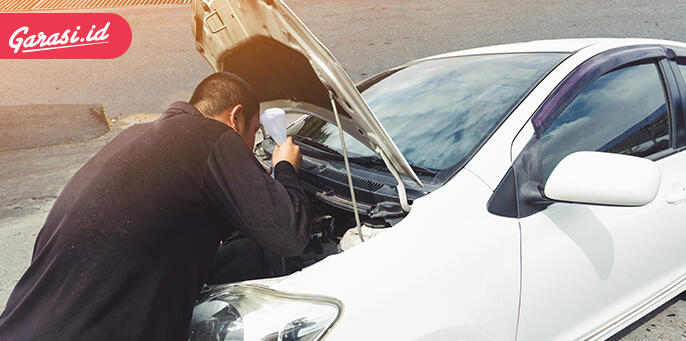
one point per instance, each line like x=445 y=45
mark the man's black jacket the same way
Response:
x=131 y=238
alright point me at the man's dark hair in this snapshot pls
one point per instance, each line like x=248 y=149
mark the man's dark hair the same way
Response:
x=221 y=91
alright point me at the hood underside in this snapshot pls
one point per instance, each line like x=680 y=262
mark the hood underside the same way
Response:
x=276 y=72
x=263 y=42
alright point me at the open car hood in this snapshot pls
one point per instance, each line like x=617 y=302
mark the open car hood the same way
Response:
x=263 y=42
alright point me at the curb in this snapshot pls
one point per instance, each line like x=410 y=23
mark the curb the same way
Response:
x=40 y=125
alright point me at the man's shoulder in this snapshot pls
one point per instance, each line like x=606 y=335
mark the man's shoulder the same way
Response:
x=230 y=141
x=191 y=126
x=230 y=149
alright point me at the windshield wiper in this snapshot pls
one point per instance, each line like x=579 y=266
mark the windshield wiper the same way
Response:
x=318 y=145
x=361 y=160
x=423 y=170
x=375 y=160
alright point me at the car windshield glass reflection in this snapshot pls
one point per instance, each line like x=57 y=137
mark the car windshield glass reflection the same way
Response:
x=439 y=111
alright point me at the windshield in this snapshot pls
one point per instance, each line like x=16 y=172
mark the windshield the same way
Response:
x=438 y=111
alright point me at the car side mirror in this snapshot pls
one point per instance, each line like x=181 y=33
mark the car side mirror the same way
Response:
x=604 y=179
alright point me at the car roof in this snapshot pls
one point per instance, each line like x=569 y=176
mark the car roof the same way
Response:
x=555 y=45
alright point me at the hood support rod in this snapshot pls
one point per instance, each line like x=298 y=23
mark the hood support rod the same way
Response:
x=347 y=166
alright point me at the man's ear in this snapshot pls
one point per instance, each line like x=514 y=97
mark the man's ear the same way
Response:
x=237 y=115
x=232 y=116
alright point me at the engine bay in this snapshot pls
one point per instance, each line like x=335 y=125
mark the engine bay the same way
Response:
x=333 y=226
x=332 y=230
x=324 y=178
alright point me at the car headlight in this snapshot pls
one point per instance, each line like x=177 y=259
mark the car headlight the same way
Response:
x=252 y=312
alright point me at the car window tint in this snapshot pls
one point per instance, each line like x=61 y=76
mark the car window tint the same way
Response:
x=623 y=111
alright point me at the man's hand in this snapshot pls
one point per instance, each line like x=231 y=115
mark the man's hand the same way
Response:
x=287 y=151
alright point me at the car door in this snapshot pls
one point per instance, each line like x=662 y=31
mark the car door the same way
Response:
x=588 y=269
x=677 y=195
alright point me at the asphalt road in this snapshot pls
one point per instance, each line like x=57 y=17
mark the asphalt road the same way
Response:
x=367 y=37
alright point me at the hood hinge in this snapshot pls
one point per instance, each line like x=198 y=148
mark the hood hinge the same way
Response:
x=208 y=22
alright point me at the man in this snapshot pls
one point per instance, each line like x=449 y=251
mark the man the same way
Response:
x=131 y=238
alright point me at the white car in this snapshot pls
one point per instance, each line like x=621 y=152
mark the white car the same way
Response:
x=532 y=191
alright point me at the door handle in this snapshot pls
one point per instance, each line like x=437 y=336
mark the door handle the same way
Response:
x=676 y=198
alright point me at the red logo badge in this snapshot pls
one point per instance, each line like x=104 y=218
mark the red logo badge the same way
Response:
x=63 y=35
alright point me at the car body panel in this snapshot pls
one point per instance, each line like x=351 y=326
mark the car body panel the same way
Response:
x=553 y=45
x=236 y=34
x=589 y=264
x=396 y=286
x=558 y=45
x=452 y=270
x=620 y=260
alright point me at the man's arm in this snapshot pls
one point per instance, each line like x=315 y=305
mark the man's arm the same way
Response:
x=273 y=213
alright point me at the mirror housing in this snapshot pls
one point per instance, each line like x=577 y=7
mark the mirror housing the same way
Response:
x=604 y=179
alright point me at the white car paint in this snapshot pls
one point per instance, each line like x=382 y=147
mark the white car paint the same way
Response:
x=450 y=270
x=453 y=271
x=604 y=178
x=424 y=277
x=590 y=265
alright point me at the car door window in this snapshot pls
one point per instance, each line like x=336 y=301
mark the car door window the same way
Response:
x=623 y=111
